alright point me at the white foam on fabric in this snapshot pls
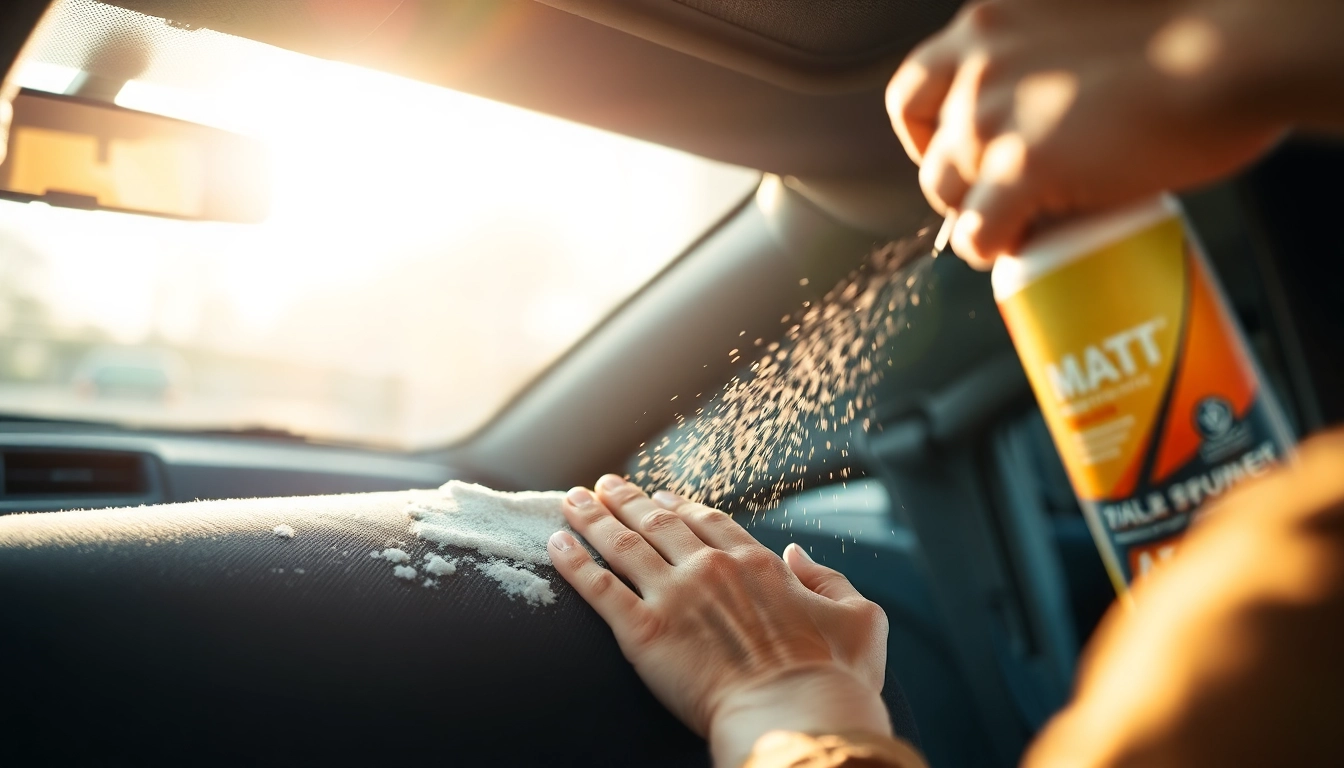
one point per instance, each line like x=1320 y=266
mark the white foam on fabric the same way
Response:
x=513 y=526
x=404 y=572
x=395 y=555
x=437 y=566
x=283 y=531
x=509 y=530
x=519 y=582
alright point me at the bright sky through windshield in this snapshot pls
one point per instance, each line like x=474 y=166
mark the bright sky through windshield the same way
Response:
x=427 y=253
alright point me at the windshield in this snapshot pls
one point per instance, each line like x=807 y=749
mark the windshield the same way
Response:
x=428 y=252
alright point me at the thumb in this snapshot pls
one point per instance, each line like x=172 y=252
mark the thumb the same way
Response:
x=826 y=582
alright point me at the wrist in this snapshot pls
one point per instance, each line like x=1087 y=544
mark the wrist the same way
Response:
x=814 y=701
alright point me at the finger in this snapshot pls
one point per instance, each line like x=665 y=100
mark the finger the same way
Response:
x=662 y=528
x=713 y=527
x=967 y=120
x=996 y=211
x=915 y=95
x=942 y=182
x=963 y=244
x=625 y=550
x=616 y=603
x=826 y=582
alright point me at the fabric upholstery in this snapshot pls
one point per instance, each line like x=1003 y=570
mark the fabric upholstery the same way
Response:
x=186 y=634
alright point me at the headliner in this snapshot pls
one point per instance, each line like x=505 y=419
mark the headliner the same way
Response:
x=788 y=86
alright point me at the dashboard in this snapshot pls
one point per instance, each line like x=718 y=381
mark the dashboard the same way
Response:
x=51 y=466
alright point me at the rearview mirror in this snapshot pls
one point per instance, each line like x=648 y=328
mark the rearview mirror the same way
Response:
x=78 y=153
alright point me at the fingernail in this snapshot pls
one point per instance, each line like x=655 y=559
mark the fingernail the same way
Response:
x=802 y=552
x=580 y=497
x=562 y=541
x=668 y=500
x=963 y=238
x=610 y=482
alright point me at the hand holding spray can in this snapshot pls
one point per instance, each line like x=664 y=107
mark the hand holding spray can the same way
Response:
x=1144 y=378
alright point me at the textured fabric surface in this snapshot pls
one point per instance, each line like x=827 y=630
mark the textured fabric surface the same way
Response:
x=174 y=43
x=169 y=634
x=170 y=42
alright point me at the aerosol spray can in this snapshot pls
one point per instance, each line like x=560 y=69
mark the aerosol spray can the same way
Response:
x=1145 y=381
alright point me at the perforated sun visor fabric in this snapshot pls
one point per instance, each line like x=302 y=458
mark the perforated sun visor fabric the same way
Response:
x=175 y=43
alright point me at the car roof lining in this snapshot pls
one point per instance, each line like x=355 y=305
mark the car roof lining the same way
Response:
x=654 y=72
x=724 y=79
x=801 y=45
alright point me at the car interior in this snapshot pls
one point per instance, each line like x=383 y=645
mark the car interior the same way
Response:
x=151 y=614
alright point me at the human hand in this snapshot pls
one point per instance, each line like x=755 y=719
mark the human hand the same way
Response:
x=733 y=640
x=1232 y=654
x=1024 y=109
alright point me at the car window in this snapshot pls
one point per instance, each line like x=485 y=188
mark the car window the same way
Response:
x=427 y=253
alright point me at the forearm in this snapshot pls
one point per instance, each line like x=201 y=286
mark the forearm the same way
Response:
x=1281 y=60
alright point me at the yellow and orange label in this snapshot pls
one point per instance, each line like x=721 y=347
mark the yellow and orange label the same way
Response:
x=1147 y=387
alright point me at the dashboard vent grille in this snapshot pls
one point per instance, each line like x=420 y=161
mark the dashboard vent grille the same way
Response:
x=56 y=473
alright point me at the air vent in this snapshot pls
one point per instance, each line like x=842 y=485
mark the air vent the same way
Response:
x=39 y=474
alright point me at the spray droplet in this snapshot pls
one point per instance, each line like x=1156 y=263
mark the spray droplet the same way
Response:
x=755 y=440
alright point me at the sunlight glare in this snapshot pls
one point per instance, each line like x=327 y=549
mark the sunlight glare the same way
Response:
x=426 y=253
x=364 y=162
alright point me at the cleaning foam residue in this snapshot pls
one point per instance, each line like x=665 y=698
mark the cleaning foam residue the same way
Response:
x=519 y=582
x=509 y=529
x=283 y=531
x=394 y=555
x=511 y=526
x=437 y=566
